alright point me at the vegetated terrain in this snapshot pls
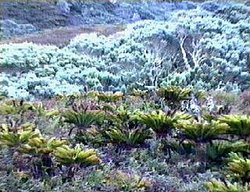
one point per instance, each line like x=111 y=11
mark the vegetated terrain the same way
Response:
x=125 y=97
x=174 y=139
x=62 y=36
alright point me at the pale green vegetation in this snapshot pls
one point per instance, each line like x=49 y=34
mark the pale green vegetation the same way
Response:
x=159 y=106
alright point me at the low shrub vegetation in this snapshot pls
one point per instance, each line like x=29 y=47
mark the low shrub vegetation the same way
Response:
x=94 y=135
x=162 y=106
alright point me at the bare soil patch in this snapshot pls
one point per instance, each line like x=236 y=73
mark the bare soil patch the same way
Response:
x=62 y=36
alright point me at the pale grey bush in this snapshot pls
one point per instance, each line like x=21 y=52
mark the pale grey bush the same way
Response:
x=194 y=48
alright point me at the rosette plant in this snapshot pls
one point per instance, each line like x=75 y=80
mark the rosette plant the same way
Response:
x=160 y=122
x=201 y=132
x=75 y=158
x=128 y=137
x=40 y=152
x=220 y=150
x=239 y=125
x=239 y=168
x=109 y=97
x=16 y=138
x=237 y=176
x=82 y=119
x=173 y=95
x=15 y=107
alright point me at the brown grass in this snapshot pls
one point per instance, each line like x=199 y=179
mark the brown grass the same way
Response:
x=61 y=36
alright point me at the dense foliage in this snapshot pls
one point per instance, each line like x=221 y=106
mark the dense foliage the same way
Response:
x=205 y=50
x=162 y=106
x=114 y=142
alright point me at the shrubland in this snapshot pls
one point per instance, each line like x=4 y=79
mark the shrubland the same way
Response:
x=114 y=142
x=195 y=48
x=160 y=106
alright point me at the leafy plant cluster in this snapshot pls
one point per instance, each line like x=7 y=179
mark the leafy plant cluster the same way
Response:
x=237 y=178
x=114 y=123
x=38 y=157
